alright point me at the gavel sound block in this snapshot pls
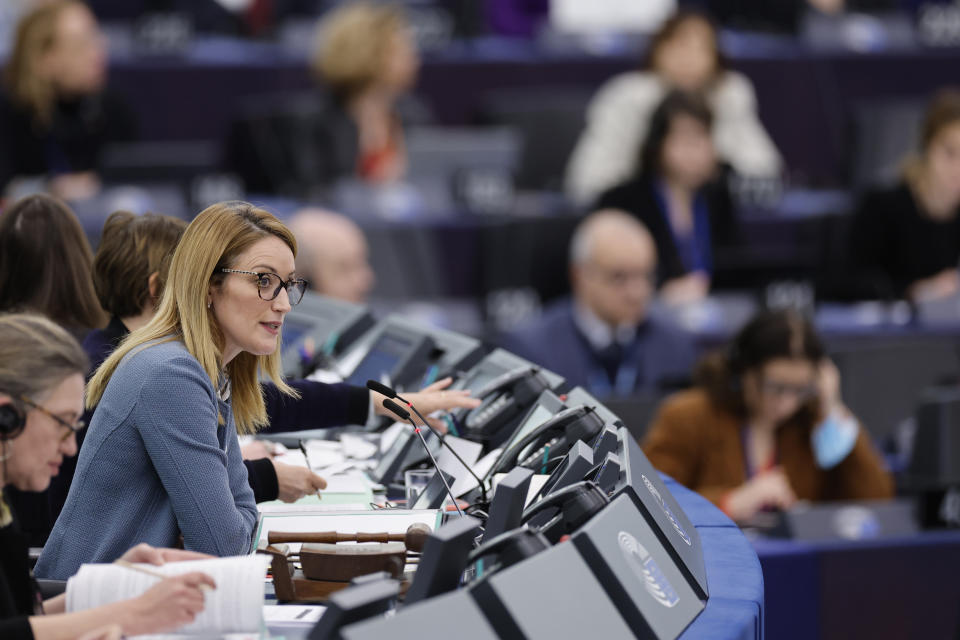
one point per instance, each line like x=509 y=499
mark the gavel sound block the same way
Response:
x=329 y=567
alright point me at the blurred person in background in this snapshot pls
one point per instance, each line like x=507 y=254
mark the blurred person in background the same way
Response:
x=333 y=257
x=604 y=338
x=45 y=264
x=367 y=60
x=905 y=239
x=679 y=195
x=684 y=54
x=56 y=115
x=766 y=426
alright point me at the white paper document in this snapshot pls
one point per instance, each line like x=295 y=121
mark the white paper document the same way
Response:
x=235 y=606
x=284 y=615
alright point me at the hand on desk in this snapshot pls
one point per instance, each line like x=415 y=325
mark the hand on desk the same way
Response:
x=432 y=398
x=296 y=482
x=944 y=284
x=109 y=632
x=769 y=489
x=257 y=449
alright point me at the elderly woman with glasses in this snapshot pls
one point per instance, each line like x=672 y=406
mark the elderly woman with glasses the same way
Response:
x=766 y=426
x=161 y=461
x=41 y=401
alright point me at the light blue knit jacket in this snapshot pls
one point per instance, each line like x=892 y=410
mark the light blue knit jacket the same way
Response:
x=155 y=464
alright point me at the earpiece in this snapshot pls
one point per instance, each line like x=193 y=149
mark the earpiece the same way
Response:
x=12 y=422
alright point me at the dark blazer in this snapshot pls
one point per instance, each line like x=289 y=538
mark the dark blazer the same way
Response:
x=662 y=354
x=299 y=145
x=893 y=243
x=638 y=198
x=74 y=141
x=699 y=445
x=18 y=592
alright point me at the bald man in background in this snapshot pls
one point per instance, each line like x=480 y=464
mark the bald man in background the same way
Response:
x=603 y=339
x=332 y=255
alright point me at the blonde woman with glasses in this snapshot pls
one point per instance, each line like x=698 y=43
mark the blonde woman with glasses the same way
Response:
x=161 y=460
x=41 y=401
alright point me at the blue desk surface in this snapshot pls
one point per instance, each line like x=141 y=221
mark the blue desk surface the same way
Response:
x=735 y=607
x=894 y=588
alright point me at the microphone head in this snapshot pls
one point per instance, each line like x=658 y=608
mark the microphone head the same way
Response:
x=390 y=405
x=373 y=385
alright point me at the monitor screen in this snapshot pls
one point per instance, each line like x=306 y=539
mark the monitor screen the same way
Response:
x=384 y=356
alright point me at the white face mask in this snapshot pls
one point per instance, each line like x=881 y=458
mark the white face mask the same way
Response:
x=833 y=440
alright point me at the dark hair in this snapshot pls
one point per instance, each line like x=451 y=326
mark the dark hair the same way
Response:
x=770 y=335
x=45 y=263
x=131 y=249
x=944 y=110
x=675 y=103
x=669 y=29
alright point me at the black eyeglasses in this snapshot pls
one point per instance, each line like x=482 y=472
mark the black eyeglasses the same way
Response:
x=270 y=284
x=71 y=428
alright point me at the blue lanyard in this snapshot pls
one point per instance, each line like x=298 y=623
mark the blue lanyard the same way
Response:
x=695 y=251
x=624 y=382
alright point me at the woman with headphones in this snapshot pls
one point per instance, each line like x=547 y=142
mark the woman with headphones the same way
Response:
x=41 y=400
x=765 y=426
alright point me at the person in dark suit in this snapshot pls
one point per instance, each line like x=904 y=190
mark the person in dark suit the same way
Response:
x=905 y=240
x=603 y=339
x=677 y=196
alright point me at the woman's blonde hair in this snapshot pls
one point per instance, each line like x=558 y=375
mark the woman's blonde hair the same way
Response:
x=213 y=241
x=36 y=355
x=36 y=35
x=352 y=42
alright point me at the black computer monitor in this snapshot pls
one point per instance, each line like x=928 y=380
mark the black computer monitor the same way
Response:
x=327 y=325
x=406 y=451
x=398 y=356
x=935 y=458
x=434 y=493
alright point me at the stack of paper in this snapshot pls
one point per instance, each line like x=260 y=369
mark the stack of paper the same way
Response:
x=235 y=606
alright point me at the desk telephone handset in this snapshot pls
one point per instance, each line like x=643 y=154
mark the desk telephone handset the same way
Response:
x=503 y=399
x=574 y=506
x=553 y=438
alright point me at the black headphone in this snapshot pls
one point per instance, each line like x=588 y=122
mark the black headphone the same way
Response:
x=12 y=422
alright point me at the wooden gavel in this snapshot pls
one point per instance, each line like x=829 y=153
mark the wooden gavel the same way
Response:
x=414 y=538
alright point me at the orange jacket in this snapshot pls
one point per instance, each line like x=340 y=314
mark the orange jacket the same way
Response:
x=699 y=445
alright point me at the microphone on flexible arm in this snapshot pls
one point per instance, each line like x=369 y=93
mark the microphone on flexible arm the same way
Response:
x=373 y=385
x=403 y=414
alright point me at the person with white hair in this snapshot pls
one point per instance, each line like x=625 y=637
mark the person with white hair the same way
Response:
x=334 y=256
x=604 y=338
